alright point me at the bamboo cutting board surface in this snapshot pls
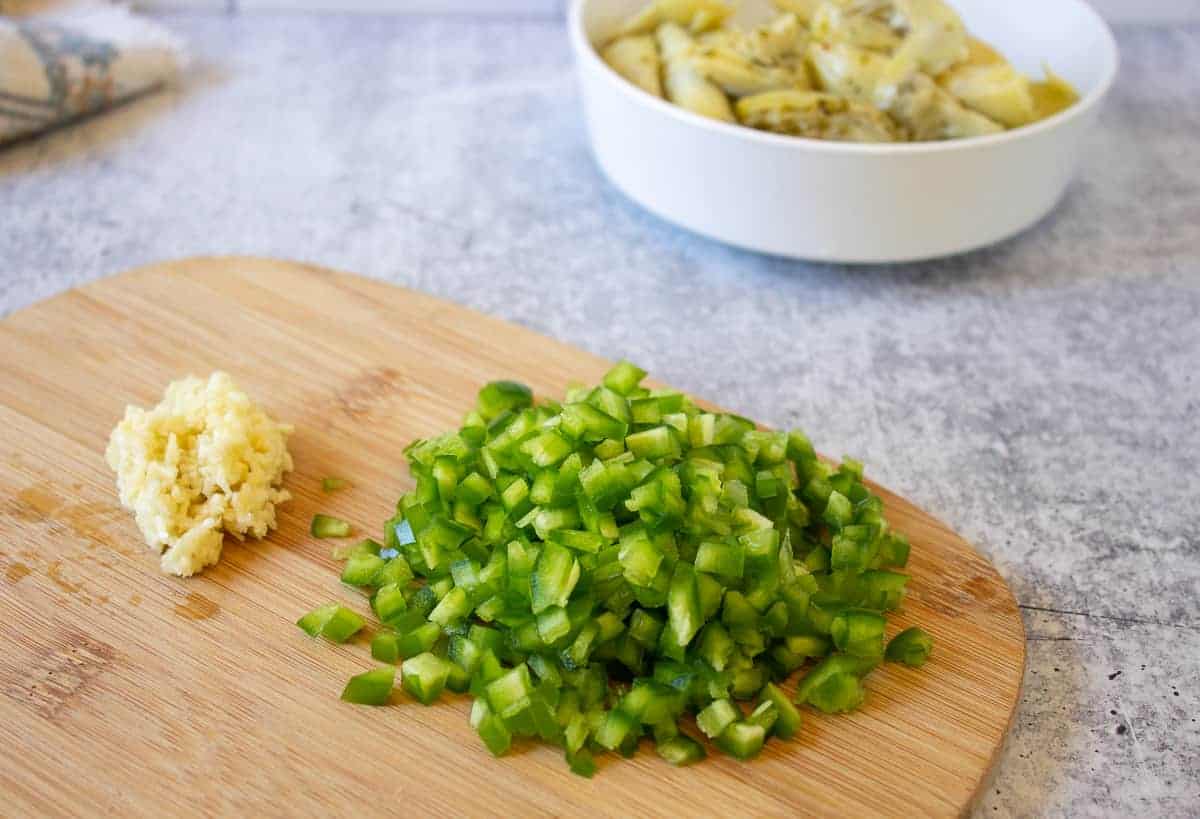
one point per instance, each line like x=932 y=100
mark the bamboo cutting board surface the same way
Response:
x=128 y=692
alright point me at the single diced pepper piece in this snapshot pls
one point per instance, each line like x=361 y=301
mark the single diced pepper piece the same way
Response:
x=372 y=687
x=315 y=620
x=808 y=645
x=424 y=676
x=491 y=728
x=649 y=702
x=764 y=714
x=822 y=609
x=839 y=512
x=547 y=449
x=645 y=628
x=329 y=526
x=554 y=577
x=548 y=521
x=588 y=542
x=748 y=681
x=439 y=537
x=577 y=654
x=858 y=632
x=553 y=624
x=588 y=423
x=656 y=442
x=837 y=693
x=616 y=728
x=911 y=647
x=721 y=558
x=711 y=594
x=419 y=640
x=788 y=718
x=883 y=590
x=384 y=647
x=332 y=621
x=474 y=489
x=683 y=604
x=624 y=377
x=361 y=569
x=893 y=549
x=664 y=730
x=452 y=608
x=680 y=750
x=640 y=556
x=718 y=716
x=502 y=396
x=582 y=763
x=716 y=646
x=742 y=740
x=396 y=571
x=818 y=687
x=367 y=546
x=848 y=554
x=509 y=694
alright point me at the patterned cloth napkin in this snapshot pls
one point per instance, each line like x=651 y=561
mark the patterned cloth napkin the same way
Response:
x=60 y=61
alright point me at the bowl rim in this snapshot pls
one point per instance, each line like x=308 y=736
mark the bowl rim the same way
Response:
x=585 y=51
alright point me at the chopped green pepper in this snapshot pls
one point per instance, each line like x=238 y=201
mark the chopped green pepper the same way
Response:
x=616 y=728
x=554 y=578
x=742 y=740
x=332 y=621
x=491 y=729
x=624 y=377
x=833 y=684
x=419 y=640
x=858 y=632
x=500 y=397
x=600 y=569
x=372 y=687
x=509 y=694
x=582 y=763
x=384 y=647
x=837 y=693
x=361 y=569
x=787 y=721
x=329 y=526
x=680 y=750
x=911 y=647
x=424 y=676
x=764 y=715
x=718 y=716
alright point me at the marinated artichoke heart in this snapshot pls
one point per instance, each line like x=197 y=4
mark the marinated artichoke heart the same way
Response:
x=817 y=115
x=1052 y=95
x=694 y=15
x=929 y=113
x=767 y=58
x=989 y=84
x=866 y=24
x=685 y=85
x=636 y=59
x=923 y=109
x=899 y=70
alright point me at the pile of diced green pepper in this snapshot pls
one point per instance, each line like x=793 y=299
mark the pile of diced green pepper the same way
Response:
x=602 y=569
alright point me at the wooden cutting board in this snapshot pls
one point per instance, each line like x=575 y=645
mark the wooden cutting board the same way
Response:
x=130 y=693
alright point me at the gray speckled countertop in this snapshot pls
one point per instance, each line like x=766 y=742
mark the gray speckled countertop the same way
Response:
x=1041 y=397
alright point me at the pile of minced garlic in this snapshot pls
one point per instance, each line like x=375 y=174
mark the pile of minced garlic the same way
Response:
x=205 y=461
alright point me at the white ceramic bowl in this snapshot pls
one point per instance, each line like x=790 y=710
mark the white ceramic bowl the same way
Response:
x=846 y=202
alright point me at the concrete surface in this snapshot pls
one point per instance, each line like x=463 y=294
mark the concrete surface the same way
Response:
x=1041 y=396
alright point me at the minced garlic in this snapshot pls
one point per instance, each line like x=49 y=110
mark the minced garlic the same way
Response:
x=205 y=461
